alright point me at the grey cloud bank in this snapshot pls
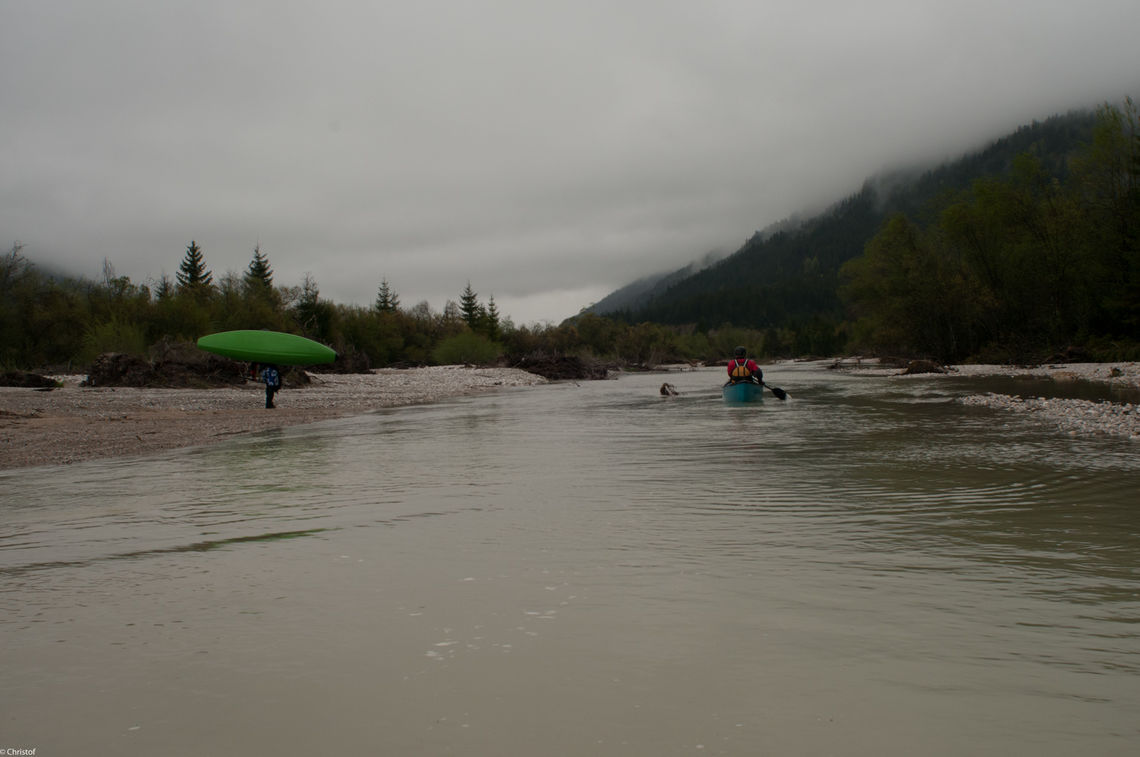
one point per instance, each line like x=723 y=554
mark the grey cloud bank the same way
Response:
x=546 y=152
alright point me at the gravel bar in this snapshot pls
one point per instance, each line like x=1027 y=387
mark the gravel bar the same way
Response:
x=74 y=423
x=1076 y=417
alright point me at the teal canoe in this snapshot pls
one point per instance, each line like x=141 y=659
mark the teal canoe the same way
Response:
x=742 y=391
x=267 y=347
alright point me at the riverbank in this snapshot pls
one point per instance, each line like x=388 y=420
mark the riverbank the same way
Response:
x=1073 y=416
x=72 y=424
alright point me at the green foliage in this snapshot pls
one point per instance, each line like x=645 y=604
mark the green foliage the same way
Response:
x=41 y=319
x=1020 y=266
x=1107 y=350
x=1107 y=177
x=467 y=348
x=598 y=335
x=644 y=344
x=481 y=319
x=181 y=317
x=724 y=340
x=379 y=335
x=912 y=294
x=113 y=336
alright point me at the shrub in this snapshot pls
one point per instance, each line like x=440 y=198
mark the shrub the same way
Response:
x=467 y=347
x=113 y=336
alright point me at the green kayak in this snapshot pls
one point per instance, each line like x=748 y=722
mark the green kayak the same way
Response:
x=267 y=347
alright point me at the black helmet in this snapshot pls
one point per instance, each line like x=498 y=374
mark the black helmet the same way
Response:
x=739 y=352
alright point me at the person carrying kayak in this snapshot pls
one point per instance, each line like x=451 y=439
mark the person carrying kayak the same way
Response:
x=272 y=378
x=743 y=368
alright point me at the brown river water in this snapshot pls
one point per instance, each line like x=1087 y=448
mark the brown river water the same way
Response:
x=869 y=568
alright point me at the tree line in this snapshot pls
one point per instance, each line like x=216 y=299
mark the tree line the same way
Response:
x=62 y=323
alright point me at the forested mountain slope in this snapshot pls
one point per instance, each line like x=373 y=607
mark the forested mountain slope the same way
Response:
x=790 y=279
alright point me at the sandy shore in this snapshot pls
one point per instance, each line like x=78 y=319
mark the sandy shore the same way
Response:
x=73 y=424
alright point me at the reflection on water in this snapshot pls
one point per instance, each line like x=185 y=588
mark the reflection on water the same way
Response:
x=868 y=568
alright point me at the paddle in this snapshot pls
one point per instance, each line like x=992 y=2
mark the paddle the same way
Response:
x=780 y=393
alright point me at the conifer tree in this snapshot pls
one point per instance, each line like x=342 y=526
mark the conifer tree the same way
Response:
x=386 y=300
x=192 y=273
x=259 y=276
x=469 y=307
x=164 y=288
x=492 y=320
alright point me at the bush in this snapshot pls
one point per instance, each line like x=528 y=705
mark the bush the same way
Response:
x=467 y=347
x=1107 y=350
x=113 y=336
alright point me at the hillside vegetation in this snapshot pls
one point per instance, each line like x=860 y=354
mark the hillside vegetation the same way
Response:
x=1023 y=249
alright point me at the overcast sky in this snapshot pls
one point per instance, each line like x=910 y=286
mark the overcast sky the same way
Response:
x=547 y=151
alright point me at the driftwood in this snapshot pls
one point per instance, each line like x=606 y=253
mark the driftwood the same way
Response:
x=174 y=368
x=922 y=366
x=561 y=368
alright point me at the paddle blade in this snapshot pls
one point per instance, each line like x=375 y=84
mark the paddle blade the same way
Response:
x=780 y=393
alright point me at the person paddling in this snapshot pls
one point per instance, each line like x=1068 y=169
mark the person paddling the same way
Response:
x=742 y=368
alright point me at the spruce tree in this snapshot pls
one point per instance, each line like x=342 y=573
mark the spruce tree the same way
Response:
x=469 y=307
x=386 y=300
x=192 y=273
x=259 y=276
x=492 y=319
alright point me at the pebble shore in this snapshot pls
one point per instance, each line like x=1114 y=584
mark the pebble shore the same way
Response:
x=73 y=423
x=1075 y=417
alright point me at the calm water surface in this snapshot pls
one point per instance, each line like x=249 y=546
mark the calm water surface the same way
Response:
x=866 y=569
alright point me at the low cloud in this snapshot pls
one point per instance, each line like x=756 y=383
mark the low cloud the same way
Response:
x=542 y=151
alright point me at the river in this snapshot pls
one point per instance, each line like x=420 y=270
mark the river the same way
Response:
x=869 y=568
